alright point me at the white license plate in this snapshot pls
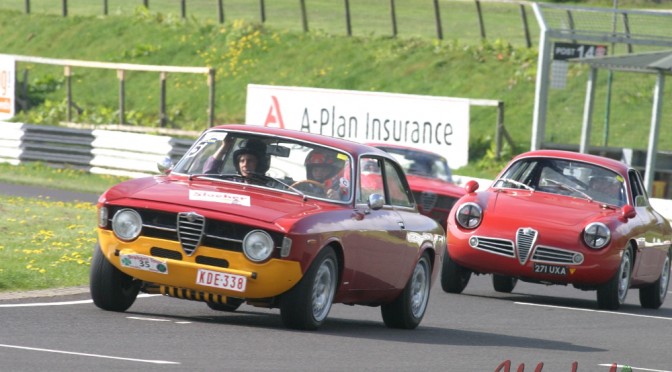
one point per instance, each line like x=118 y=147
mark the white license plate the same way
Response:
x=218 y=279
x=142 y=262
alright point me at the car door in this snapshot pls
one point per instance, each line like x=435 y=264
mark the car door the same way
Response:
x=651 y=238
x=380 y=235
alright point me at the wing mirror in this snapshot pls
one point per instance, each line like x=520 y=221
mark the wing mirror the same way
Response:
x=165 y=165
x=628 y=212
x=376 y=201
x=471 y=186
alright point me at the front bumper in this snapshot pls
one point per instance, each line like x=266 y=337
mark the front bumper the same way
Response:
x=263 y=280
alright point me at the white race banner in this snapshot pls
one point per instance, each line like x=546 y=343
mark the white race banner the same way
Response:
x=7 y=79
x=437 y=124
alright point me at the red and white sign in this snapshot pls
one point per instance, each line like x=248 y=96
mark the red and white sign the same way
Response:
x=7 y=81
x=438 y=124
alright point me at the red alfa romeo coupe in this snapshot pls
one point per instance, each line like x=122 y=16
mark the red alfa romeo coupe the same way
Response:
x=272 y=218
x=557 y=217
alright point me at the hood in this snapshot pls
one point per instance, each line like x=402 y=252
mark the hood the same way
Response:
x=544 y=208
x=435 y=185
x=232 y=199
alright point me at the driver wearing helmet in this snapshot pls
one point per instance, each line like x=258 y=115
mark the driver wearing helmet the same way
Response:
x=326 y=168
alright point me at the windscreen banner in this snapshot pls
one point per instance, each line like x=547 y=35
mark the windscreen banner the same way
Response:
x=437 y=124
x=7 y=79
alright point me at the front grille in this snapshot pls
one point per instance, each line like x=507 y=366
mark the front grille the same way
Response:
x=498 y=246
x=556 y=255
x=428 y=201
x=215 y=233
x=190 y=228
x=525 y=238
x=165 y=253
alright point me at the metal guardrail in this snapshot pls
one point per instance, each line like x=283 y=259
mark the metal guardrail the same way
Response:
x=94 y=150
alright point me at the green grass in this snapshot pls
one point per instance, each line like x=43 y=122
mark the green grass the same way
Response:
x=45 y=244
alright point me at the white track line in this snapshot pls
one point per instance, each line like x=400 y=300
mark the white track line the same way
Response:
x=88 y=355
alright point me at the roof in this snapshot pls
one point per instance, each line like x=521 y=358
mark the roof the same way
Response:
x=651 y=62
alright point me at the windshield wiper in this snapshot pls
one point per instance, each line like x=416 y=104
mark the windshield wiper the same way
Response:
x=568 y=188
x=217 y=176
x=264 y=177
x=517 y=183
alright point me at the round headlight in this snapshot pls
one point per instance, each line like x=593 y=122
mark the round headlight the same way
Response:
x=469 y=215
x=596 y=235
x=257 y=245
x=126 y=224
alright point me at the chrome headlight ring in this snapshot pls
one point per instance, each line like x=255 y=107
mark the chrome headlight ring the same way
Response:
x=596 y=235
x=258 y=245
x=127 y=224
x=469 y=215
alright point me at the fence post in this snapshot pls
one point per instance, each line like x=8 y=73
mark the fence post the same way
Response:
x=27 y=6
x=480 y=18
x=105 y=7
x=145 y=3
x=437 y=16
x=211 y=104
x=65 y=8
x=122 y=96
x=526 y=28
x=220 y=10
x=68 y=93
x=262 y=10
x=304 y=16
x=162 y=107
x=348 y=25
x=393 y=14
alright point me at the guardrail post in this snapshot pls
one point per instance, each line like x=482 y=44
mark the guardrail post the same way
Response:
x=122 y=95
x=220 y=10
x=262 y=11
x=65 y=8
x=105 y=7
x=183 y=8
x=393 y=15
x=348 y=25
x=162 y=108
x=68 y=93
x=437 y=16
x=211 y=105
x=480 y=19
x=27 y=6
x=304 y=16
x=145 y=3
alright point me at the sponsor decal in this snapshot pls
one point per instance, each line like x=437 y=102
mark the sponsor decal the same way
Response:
x=219 y=197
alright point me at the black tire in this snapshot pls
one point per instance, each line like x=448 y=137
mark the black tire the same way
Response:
x=611 y=295
x=503 y=283
x=307 y=304
x=454 y=278
x=653 y=296
x=232 y=304
x=110 y=288
x=407 y=310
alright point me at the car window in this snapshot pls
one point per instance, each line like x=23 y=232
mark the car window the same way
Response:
x=637 y=189
x=399 y=195
x=370 y=179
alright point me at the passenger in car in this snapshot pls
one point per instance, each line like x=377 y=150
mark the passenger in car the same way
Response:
x=606 y=189
x=249 y=160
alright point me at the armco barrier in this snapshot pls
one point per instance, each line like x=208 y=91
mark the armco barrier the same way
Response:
x=96 y=151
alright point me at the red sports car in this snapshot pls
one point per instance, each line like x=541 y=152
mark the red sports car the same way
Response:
x=430 y=179
x=272 y=218
x=557 y=217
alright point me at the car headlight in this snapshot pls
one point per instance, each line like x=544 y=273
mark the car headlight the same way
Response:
x=469 y=215
x=257 y=245
x=126 y=224
x=596 y=235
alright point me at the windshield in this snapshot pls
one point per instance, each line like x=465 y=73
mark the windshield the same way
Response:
x=279 y=163
x=421 y=163
x=560 y=176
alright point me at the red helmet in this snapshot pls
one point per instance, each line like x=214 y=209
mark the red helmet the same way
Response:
x=319 y=157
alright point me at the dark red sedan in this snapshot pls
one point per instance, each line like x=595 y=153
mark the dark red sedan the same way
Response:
x=272 y=218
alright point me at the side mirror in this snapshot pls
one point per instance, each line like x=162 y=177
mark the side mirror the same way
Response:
x=628 y=212
x=376 y=201
x=165 y=165
x=471 y=186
